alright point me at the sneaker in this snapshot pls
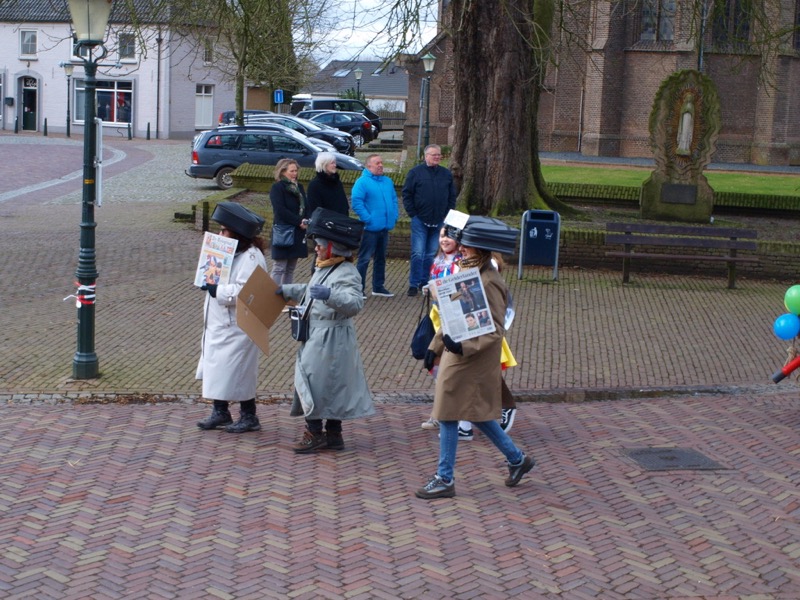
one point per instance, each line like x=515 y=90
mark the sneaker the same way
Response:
x=464 y=434
x=515 y=472
x=437 y=488
x=218 y=418
x=431 y=424
x=310 y=442
x=244 y=424
x=383 y=292
x=412 y=291
x=507 y=418
x=334 y=440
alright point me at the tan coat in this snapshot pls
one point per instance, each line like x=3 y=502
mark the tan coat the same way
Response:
x=468 y=386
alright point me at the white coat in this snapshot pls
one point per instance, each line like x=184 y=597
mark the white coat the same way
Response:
x=228 y=358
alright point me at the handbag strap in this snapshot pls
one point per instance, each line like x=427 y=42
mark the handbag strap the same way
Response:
x=425 y=307
x=307 y=311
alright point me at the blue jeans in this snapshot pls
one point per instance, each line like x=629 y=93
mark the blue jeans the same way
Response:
x=373 y=243
x=424 y=244
x=448 y=444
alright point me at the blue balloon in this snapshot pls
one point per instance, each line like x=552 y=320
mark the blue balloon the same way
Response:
x=787 y=326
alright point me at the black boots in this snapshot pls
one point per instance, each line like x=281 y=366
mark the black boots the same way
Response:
x=220 y=416
x=248 y=421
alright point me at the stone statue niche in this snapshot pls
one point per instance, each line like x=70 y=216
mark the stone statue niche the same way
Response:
x=684 y=126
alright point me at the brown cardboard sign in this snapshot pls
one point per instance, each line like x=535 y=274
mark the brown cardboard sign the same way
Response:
x=257 y=307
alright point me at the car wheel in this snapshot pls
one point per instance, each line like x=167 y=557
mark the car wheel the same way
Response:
x=224 y=179
x=358 y=139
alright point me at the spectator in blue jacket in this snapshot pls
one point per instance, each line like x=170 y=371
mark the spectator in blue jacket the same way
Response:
x=375 y=202
x=428 y=194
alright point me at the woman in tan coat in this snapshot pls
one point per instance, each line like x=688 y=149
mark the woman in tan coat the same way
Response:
x=469 y=382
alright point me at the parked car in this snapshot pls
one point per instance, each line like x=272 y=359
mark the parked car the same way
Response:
x=353 y=123
x=229 y=116
x=301 y=103
x=322 y=145
x=342 y=141
x=218 y=152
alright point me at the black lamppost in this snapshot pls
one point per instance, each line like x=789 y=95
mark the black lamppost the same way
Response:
x=358 y=73
x=89 y=21
x=68 y=69
x=428 y=62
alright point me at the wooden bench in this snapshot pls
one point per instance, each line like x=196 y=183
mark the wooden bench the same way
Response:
x=729 y=240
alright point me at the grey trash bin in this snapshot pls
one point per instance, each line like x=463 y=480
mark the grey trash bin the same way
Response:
x=540 y=235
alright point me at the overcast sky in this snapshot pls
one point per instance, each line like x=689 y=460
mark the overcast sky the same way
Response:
x=360 y=32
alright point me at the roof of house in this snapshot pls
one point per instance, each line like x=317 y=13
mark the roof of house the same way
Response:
x=48 y=11
x=378 y=80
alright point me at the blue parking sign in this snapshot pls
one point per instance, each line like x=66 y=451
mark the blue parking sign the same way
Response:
x=278 y=97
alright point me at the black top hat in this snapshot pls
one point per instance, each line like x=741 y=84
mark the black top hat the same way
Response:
x=335 y=227
x=487 y=233
x=238 y=219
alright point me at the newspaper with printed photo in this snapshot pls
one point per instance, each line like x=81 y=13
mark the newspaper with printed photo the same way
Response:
x=216 y=259
x=463 y=307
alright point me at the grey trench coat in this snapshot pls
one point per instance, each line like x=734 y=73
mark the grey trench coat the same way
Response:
x=329 y=378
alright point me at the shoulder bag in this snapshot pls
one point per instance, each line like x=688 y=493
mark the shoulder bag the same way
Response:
x=299 y=316
x=282 y=235
x=424 y=332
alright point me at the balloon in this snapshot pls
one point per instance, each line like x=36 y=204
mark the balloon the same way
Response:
x=792 y=299
x=787 y=326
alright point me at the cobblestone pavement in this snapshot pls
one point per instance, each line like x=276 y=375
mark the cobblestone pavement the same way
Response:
x=105 y=492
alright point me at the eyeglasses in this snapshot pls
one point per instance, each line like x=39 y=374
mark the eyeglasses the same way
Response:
x=433 y=155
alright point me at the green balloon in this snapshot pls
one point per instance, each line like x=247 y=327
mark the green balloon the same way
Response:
x=792 y=299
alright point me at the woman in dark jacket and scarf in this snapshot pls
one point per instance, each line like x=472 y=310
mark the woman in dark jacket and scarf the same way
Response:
x=289 y=207
x=326 y=189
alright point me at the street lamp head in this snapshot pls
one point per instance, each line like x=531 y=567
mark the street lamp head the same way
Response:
x=89 y=20
x=358 y=73
x=68 y=69
x=428 y=61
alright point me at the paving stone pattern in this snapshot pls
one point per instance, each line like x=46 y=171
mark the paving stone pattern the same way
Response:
x=108 y=490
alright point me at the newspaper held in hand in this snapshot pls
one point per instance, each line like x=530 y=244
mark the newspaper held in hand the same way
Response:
x=216 y=259
x=464 y=311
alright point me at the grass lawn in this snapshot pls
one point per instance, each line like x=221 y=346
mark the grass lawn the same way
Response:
x=748 y=183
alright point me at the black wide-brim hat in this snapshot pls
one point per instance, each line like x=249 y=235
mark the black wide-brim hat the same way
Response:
x=487 y=233
x=238 y=219
x=335 y=227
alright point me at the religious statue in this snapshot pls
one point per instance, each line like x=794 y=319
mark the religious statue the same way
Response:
x=686 y=126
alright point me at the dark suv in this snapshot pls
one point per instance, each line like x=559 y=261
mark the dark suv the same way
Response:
x=217 y=153
x=356 y=124
x=345 y=104
x=342 y=141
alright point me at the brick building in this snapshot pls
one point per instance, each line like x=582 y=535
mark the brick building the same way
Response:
x=597 y=101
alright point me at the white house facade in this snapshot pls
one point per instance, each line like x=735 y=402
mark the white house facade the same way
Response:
x=150 y=83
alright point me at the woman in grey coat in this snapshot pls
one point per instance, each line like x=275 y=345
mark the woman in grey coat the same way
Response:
x=329 y=376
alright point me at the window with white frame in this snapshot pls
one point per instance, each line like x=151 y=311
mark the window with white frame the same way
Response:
x=208 y=53
x=113 y=101
x=203 y=106
x=80 y=51
x=127 y=47
x=27 y=42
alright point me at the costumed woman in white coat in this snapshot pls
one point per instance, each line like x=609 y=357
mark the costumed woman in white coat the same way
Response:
x=329 y=375
x=229 y=359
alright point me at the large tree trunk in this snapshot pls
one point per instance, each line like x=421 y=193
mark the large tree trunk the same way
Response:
x=498 y=69
x=492 y=63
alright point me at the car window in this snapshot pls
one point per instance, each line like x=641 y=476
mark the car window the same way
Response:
x=324 y=118
x=281 y=143
x=225 y=142
x=254 y=141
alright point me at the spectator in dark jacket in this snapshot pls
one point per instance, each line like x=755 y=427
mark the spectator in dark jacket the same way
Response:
x=289 y=207
x=428 y=194
x=326 y=189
